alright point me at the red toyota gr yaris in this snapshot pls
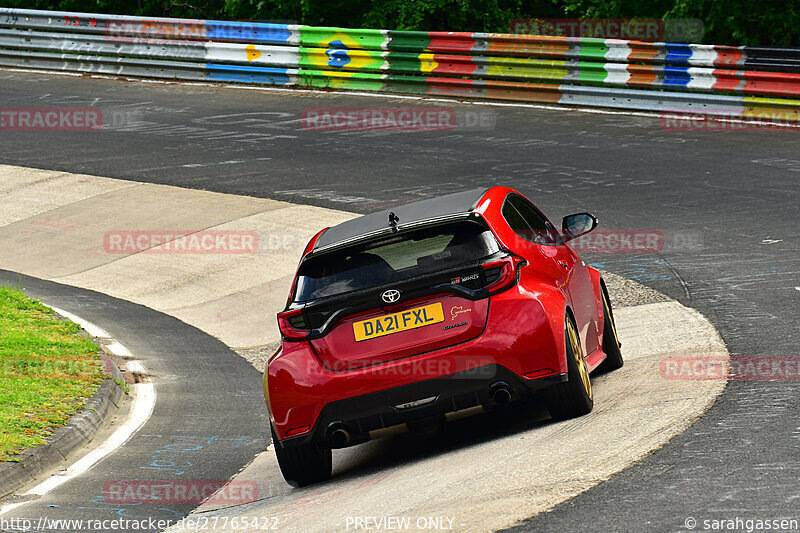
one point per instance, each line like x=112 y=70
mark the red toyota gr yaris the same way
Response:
x=431 y=311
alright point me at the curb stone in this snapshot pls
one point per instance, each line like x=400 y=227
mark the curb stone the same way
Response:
x=79 y=430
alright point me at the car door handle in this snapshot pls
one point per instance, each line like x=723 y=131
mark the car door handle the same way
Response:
x=563 y=264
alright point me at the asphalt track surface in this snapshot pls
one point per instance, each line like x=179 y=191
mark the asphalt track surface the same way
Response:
x=726 y=202
x=195 y=374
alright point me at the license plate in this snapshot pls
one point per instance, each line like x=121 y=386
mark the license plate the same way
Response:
x=397 y=322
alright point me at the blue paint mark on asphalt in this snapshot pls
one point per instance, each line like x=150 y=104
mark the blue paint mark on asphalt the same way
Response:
x=641 y=269
x=170 y=459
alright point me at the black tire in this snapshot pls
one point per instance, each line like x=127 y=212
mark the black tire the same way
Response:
x=304 y=464
x=574 y=397
x=611 y=342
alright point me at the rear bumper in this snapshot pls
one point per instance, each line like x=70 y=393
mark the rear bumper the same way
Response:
x=417 y=402
x=520 y=345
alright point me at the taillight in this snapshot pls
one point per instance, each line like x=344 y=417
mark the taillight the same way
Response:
x=293 y=325
x=500 y=275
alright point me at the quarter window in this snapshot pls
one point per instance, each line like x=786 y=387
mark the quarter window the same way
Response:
x=527 y=221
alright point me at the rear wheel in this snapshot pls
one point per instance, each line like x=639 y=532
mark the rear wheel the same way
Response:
x=610 y=340
x=303 y=464
x=573 y=397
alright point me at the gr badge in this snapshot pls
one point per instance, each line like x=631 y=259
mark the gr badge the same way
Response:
x=461 y=279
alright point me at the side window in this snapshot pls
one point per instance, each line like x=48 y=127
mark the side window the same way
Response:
x=528 y=222
x=516 y=221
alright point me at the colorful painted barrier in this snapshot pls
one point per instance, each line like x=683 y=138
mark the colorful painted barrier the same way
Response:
x=565 y=70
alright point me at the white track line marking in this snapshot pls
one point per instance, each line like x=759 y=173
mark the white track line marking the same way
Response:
x=94 y=331
x=118 y=349
x=141 y=411
x=42 y=71
x=135 y=366
x=143 y=403
x=6 y=508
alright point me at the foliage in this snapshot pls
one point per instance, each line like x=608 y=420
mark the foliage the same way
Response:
x=734 y=22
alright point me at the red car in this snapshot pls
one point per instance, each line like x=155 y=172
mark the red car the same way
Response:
x=434 y=310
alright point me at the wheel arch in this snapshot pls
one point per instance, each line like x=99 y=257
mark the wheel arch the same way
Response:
x=569 y=314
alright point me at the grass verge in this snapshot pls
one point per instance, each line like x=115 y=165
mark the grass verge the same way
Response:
x=47 y=372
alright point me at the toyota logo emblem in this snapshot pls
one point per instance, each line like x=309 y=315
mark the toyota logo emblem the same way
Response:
x=390 y=296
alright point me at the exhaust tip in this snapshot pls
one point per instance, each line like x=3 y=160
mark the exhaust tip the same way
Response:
x=500 y=392
x=338 y=436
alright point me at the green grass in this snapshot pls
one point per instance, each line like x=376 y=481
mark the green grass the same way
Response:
x=47 y=372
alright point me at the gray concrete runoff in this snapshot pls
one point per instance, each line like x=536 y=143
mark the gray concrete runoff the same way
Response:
x=54 y=227
x=79 y=431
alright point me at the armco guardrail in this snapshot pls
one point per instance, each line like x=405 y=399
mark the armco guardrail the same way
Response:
x=708 y=79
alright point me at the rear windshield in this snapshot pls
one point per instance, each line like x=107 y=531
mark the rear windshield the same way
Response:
x=393 y=259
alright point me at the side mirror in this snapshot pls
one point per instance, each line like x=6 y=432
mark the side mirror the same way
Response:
x=576 y=225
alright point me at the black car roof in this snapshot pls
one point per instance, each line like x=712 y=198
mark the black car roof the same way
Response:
x=415 y=213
